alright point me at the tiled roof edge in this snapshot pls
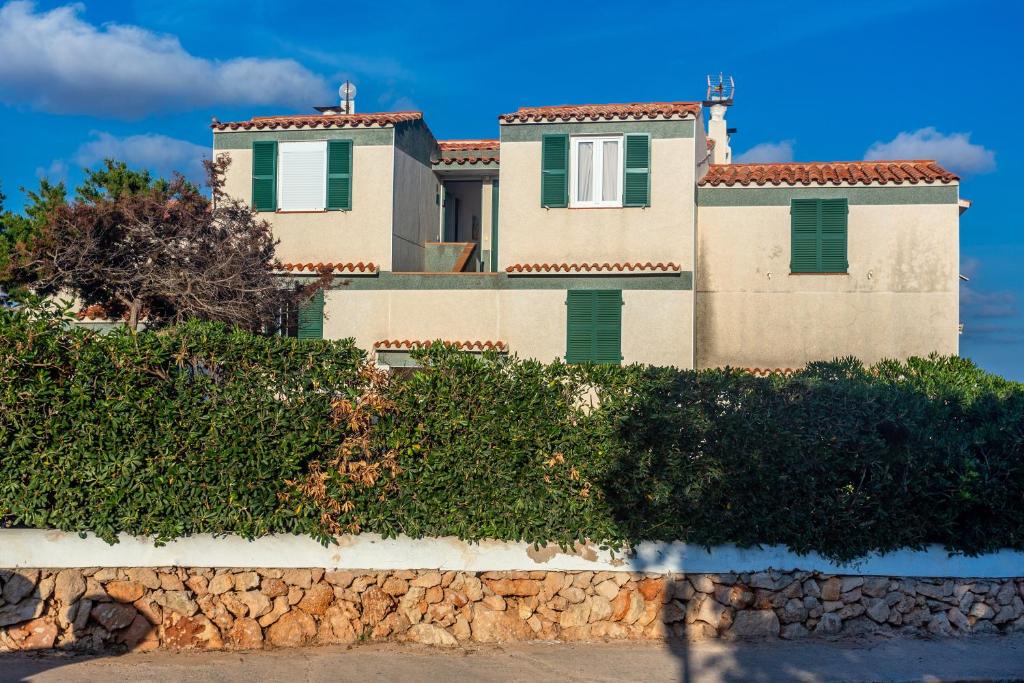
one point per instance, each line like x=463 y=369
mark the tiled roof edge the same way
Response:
x=899 y=171
x=359 y=267
x=647 y=267
x=467 y=345
x=318 y=121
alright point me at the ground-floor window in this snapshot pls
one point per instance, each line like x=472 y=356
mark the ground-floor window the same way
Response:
x=305 y=321
x=594 y=326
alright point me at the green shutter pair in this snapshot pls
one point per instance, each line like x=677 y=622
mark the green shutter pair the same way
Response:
x=819 y=235
x=311 y=317
x=594 y=326
x=554 y=174
x=339 y=175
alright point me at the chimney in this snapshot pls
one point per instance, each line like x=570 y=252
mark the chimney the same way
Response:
x=719 y=99
x=718 y=131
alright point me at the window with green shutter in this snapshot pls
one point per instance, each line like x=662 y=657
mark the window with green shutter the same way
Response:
x=264 y=175
x=636 y=186
x=594 y=326
x=818 y=235
x=311 y=318
x=339 y=175
x=554 y=178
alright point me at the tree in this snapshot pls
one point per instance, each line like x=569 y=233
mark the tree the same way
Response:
x=114 y=180
x=18 y=233
x=160 y=250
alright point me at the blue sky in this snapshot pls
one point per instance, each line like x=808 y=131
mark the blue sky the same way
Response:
x=815 y=81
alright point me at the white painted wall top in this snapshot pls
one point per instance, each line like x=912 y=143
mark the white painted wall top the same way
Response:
x=57 y=549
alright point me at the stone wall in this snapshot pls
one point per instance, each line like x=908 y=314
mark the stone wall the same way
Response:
x=144 y=609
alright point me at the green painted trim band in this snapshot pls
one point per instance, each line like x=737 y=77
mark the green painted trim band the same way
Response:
x=532 y=132
x=504 y=281
x=358 y=136
x=782 y=196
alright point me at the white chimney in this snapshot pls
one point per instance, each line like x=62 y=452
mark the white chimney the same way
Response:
x=718 y=131
x=719 y=99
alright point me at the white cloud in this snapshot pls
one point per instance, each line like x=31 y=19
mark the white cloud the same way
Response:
x=767 y=153
x=57 y=62
x=57 y=171
x=982 y=304
x=954 y=151
x=969 y=266
x=157 y=153
x=991 y=316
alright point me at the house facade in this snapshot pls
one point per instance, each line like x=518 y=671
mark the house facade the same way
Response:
x=606 y=233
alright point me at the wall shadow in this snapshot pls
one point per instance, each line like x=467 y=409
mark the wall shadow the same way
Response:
x=54 y=618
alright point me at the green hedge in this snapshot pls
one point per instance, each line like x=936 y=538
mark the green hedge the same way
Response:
x=205 y=429
x=193 y=430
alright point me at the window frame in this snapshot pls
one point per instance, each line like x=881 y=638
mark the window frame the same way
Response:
x=598 y=140
x=281 y=145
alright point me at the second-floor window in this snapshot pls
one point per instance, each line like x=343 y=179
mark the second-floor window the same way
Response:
x=595 y=171
x=310 y=175
x=302 y=185
x=596 y=165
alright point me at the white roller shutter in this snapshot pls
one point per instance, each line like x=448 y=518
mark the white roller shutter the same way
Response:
x=302 y=177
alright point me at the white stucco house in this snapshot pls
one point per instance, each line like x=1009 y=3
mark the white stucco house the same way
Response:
x=607 y=233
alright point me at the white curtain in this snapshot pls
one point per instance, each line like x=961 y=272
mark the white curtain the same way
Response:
x=610 y=171
x=585 y=173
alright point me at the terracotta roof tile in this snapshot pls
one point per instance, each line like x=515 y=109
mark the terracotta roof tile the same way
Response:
x=330 y=267
x=598 y=112
x=828 y=173
x=465 y=145
x=462 y=152
x=319 y=121
x=92 y=312
x=593 y=268
x=409 y=344
x=99 y=312
x=462 y=161
x=768 y=372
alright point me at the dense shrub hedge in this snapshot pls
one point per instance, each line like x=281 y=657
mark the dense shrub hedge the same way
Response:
x=193 y=430
x=205 y=429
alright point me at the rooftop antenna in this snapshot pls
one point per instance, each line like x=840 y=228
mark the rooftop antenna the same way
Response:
x=720 y=90
x=347 y=105
x=347 y=92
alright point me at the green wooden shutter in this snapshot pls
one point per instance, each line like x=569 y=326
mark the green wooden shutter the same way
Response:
x=636 y=186
x=579 y=325
x=593 y=326
x=804 y=237
x=311 y=317
x=554 y=179
x=494 y=225
x=607 y=346
x=832 y=230
x=819 y=235
x=264 y=175
x=339 y=175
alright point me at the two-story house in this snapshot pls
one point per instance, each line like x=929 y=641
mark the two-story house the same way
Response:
x=607 y=233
